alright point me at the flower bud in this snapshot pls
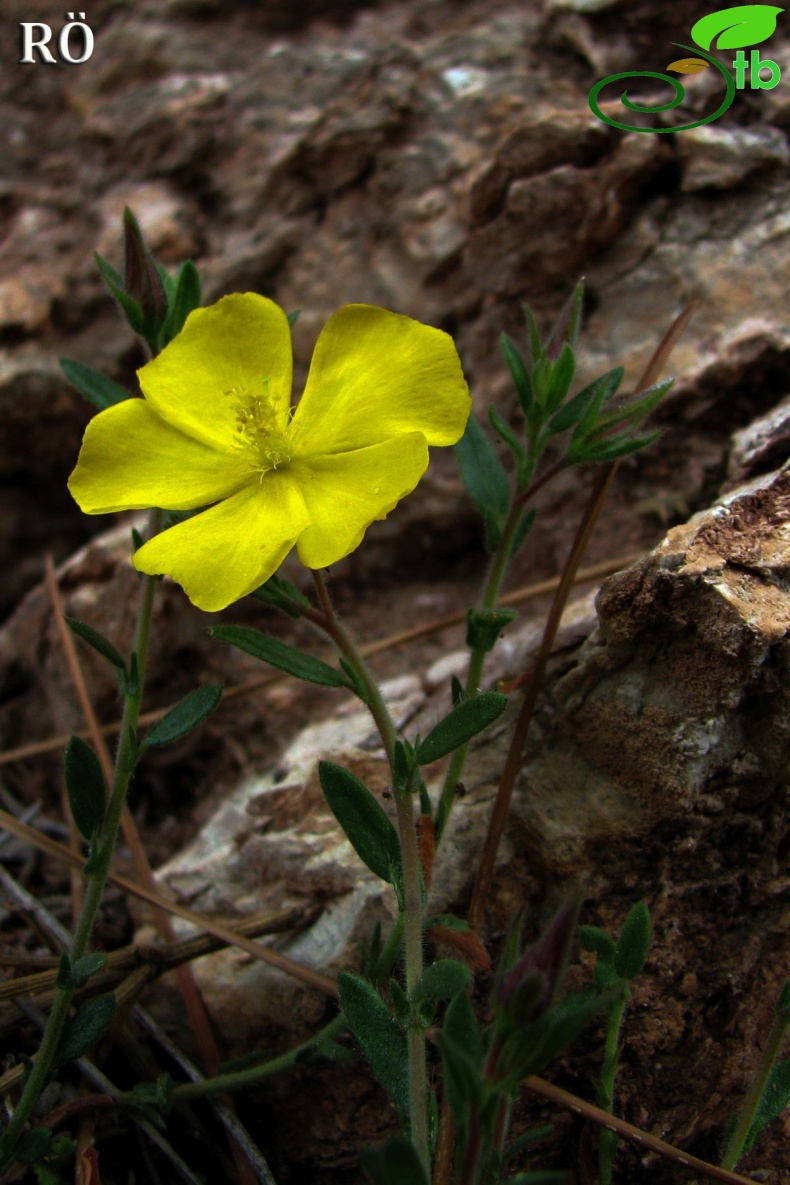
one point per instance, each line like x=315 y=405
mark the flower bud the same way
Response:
x=143 y=282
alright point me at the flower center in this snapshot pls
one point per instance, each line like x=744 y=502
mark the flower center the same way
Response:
x=257 y=431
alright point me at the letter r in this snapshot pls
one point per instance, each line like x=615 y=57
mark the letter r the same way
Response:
x=29 y=44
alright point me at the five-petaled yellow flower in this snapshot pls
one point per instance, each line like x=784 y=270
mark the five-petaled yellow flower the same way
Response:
x=215 y=428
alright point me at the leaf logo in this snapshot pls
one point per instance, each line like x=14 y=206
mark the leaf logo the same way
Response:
x=746 y=24
x=688 y=65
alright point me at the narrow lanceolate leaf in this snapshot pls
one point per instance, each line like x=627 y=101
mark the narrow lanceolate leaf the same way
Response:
x=97 y=388
x=185 y=298
x=560 y=378
x=88 y=1026
x=442 y=980
x=397 y=1163
x=380 y=1037
x=773 y=1101
x=187 y=714
x=115 y=282
x=588 y=401
x=464 y=722
x=483 y=473
x=277 y=654
x=368 y=828
x=634 y=942
x=518 y=370
x=86 y=787
x=97 y=641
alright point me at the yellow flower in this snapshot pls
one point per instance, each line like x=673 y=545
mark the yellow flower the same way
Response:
x=216 y=426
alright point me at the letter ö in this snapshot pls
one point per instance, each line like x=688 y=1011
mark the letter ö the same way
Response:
x=36 y=36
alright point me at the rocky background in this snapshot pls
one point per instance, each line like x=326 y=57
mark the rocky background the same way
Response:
x=438 y=158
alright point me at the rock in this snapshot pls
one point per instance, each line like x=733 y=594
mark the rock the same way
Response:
x=721 y=158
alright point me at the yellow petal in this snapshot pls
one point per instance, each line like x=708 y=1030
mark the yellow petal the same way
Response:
x=235 y=350
x=227 y=551
x=345 y=492
x=131 y=459
x=376 y=375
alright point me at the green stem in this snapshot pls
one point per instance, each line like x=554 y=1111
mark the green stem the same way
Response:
x=477 y=657
x=607 y=1141
x=105 y=848
x=748 y=1111
x=253 y=1075
x=412 y=880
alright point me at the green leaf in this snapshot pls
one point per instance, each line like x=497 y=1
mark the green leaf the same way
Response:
x=184 y=297
x=782 y=1005
x=87 y=966
x=464 y=722
x=560 y=377
x=462 y=1027
x=97 y=641
x=483 y=473
x=34 y=1146
x=293 y=317
x=282 y=595
x=400 y=1002
x=462 y=1075
x=457 y=693
x=522 y=530
x=187 y=714
x=531 y=1137
x=634 y=942
x=402 y=765
x=586 y=452
x=484 y=627
x=380 y=1037
x=634 y=409
x=97 y=388
x=774 y=1099
x=593 y=938
x=594 y=396
x=397 y=1163
x=368 y=828
x=129 y=307
x=506 y=433
x=69 y=977
x=442 y=980
x=277 y=654
x=88 y=1026
x=518 y=370
x=86 y=787
x=746 y=24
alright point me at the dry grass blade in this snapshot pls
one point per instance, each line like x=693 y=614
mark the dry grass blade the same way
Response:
x=592 y=511
x=314 y=979
x=548 y=1090
x=518 y=596
x=196 y=1009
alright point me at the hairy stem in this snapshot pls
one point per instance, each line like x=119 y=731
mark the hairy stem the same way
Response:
x=104 y=850
x=412 y=886
x=607 y=1140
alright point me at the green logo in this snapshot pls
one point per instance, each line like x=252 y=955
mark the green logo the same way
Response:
x=730 y=28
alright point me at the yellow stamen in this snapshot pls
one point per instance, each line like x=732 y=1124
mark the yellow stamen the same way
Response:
x=257 y=431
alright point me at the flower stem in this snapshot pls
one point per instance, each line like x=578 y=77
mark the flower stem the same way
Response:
x=488 y=599
x=45 y=1059
x=607 y=1140
x=412 y=886
x=253 y=1075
